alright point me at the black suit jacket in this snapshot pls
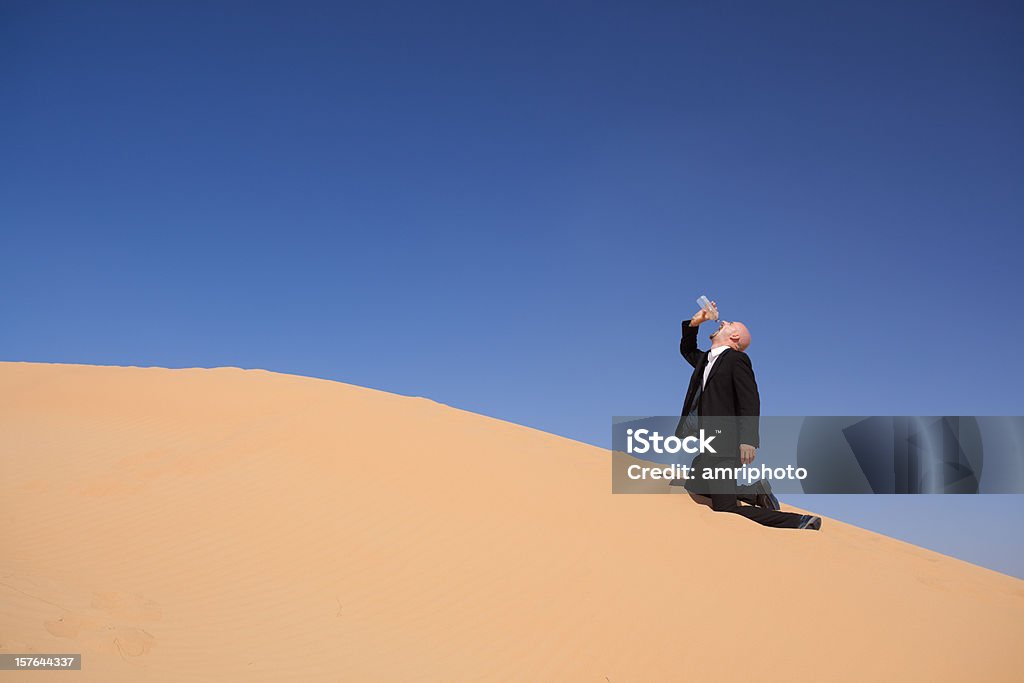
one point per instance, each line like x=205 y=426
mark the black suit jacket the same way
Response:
x=731 y=390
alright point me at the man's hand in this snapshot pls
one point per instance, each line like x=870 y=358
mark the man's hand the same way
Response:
x=747 y=453
x=702 y=316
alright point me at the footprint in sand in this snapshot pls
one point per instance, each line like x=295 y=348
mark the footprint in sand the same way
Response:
x=111 y=625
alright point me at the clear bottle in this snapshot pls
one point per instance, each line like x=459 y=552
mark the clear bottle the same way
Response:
x=705 y=303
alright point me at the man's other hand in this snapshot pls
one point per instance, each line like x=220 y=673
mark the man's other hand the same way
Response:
x=702 y=316
x=747 y=454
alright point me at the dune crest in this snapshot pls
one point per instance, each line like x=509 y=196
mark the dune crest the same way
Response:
x=232 y=524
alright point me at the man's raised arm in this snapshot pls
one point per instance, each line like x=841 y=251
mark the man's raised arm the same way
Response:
x=688 y=342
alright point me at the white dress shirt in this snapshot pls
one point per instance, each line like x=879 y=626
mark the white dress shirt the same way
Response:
x=713 y=355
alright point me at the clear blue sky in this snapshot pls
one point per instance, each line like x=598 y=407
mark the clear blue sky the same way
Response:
x=509 y=207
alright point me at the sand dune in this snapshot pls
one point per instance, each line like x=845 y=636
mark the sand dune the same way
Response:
x=242 y=525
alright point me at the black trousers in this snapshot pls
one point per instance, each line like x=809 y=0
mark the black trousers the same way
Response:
x=726 y=494
x=724 y=502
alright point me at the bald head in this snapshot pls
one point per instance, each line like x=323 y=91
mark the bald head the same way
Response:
x=732 y=334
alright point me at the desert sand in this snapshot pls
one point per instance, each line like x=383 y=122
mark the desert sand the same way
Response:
x=243 y=525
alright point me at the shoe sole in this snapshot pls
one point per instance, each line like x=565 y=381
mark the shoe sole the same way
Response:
x=814 y=523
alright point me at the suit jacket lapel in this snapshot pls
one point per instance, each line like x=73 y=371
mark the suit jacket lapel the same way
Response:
x=700 y=371
x=695 y=384
x=717 y=365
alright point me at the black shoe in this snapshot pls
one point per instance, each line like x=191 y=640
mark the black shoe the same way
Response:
x=810 y=522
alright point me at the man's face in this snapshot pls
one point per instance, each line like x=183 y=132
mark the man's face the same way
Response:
x=732 y=334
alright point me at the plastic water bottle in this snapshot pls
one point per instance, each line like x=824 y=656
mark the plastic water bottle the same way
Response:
x=705 y=303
